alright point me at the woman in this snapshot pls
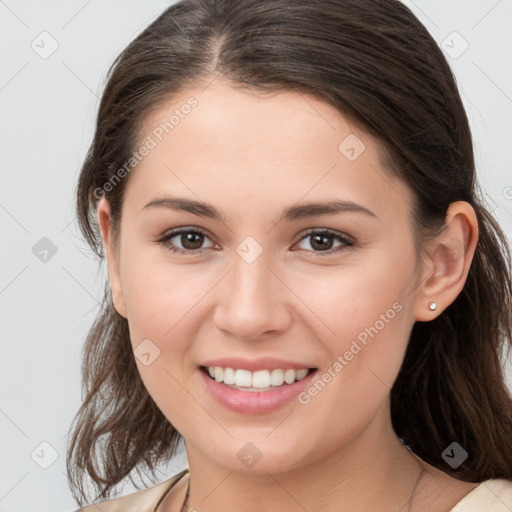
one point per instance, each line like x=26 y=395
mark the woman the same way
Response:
x=304 y=284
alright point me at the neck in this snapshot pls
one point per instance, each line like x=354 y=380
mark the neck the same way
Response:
x=375 y=471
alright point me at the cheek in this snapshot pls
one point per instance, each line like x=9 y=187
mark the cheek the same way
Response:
x=362 y=304
x=159 y=294
x=353 y=301
x=367 y=311
x=160 y=299
x=358 y=301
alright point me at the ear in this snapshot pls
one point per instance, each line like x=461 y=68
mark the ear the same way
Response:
x=105 y=225
x=449 y=258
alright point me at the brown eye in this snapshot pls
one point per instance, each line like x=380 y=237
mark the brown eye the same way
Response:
x=184 y=241
x=191 y=240
x=323 y=241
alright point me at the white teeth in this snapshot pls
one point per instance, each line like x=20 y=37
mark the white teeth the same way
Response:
x=261 y=379
x=229 y=376
x=276 y=378
x=302 y=373
x=242 y=378
x=256 y=381
x=289 y=376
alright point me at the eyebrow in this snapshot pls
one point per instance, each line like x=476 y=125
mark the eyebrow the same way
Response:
x=293 y=213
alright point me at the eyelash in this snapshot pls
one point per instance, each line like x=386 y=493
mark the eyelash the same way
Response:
x=347 y=243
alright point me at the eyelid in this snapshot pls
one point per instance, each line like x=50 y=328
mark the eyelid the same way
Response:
x=164 y=239
x=328 y=231
x=346 y=240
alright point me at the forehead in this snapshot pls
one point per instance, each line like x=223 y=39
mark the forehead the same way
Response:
x=243 y=147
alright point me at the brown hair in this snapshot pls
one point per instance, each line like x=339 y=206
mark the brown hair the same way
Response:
x=379 y=66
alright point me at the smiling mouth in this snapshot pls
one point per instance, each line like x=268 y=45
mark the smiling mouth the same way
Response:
x=261 y=380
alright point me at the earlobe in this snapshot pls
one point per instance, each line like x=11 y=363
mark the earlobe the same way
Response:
x=450 y=256
x=104 y=222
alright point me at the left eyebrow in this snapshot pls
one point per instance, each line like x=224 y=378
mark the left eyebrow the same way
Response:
x=293 y=213
x=335 y=206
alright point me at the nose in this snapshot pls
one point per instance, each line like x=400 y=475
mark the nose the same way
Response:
x=253 y=301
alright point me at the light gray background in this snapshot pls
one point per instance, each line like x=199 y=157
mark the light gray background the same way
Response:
x=48 y=108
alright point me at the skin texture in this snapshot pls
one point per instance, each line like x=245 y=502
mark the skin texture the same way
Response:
x=252 y=155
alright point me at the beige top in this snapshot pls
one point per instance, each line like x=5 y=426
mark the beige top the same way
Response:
x=489 y=496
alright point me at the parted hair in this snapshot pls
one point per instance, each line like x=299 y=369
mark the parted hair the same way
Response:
x=379 y=66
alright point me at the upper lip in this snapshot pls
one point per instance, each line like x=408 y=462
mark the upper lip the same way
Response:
x=254 y=365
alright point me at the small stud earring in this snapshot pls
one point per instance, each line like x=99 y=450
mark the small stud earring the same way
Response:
x=432 y=306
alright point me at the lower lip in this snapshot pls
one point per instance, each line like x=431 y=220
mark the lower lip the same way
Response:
x=255 y=402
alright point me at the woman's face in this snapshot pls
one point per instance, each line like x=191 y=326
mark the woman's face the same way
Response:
x=257 y=284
